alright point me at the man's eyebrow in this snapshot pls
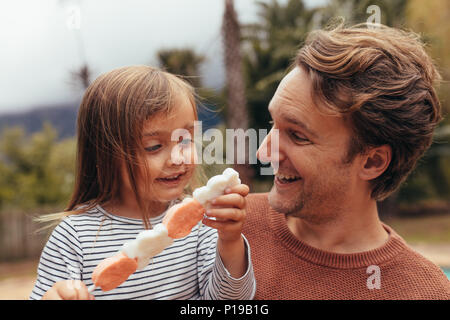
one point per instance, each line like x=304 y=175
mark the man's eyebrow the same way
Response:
x=292 y=120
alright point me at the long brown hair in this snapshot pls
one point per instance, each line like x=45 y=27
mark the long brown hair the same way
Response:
x=380 y=79
x=109 y=132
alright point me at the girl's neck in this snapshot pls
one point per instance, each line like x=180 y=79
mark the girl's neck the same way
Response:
x=131 y=209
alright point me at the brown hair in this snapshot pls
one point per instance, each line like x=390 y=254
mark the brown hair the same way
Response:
x=109 y=130
x=381 y=80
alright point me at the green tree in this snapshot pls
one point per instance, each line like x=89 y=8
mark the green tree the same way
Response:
x=183 y=62
x=392 y=12
x=236 y=106
x=269 y=47
x=37 y=170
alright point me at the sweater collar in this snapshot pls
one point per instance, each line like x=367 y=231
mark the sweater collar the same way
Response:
x=390 y=249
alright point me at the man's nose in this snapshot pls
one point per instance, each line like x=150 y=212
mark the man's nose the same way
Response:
x=269 y=150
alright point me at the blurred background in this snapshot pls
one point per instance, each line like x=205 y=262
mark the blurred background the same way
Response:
x=234 y=52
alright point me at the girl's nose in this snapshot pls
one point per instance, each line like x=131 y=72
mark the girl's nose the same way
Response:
x=176 y=156
x=183 y=154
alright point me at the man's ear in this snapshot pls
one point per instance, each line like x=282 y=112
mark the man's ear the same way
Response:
x=375 y=162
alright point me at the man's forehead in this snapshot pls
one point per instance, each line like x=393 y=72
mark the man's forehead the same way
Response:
x=293 y=103
x=293 y=90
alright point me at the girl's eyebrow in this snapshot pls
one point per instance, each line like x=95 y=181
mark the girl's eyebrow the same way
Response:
x=165 y=132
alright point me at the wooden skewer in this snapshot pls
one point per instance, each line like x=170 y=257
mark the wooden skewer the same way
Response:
x=92 y=288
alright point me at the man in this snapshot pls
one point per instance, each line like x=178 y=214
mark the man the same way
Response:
x=353 y=117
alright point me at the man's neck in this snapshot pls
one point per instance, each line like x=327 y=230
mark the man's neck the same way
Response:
x=352 y=232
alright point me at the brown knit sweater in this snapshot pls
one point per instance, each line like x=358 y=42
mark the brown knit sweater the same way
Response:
x=287 y=268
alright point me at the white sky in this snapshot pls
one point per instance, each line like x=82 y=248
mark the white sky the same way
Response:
x=38 y=50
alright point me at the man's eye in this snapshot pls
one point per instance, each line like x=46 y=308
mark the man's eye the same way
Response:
x=153 y=148
x=298 y=138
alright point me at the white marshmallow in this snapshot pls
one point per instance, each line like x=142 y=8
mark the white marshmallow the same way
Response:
x=216 y=186
x=147 y=244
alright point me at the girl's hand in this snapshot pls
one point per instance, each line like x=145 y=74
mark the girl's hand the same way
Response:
x=68 y=290
x=229 y=213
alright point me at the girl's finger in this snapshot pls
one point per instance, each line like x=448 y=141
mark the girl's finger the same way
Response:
x=83 y=293
x=219 y=224
x=230 y=200
x=224 y=214
x=241 y=189
x=67 y=290
x=52 y=294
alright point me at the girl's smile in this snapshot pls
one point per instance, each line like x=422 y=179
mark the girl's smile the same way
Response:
x=172 y=180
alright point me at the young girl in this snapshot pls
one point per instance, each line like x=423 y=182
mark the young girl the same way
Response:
x=127 y=177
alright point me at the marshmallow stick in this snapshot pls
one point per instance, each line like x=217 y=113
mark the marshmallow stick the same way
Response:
x=91 y=289
x=177 y=223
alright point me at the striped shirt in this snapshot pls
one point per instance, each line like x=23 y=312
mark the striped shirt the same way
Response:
x=190 y=268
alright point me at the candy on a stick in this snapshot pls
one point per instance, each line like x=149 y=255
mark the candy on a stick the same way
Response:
x=147 y=244
x=182 y=217
x=177 y=223
x=112 y=271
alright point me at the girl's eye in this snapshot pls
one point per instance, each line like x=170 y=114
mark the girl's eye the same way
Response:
x=185 y=142
x=153 y=148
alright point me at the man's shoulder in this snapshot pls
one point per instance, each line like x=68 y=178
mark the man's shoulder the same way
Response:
x=412 y=269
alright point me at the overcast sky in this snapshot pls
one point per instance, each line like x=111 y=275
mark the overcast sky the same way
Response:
x=39 y=45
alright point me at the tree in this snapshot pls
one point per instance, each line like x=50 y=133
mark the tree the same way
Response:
x=392 y=12
x=269 y=47
x=182 y=62
x=432 y=20
x=236 y=107
x=37 y=170
x=82 y=76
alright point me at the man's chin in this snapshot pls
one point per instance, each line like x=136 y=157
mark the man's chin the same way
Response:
x=284 y=204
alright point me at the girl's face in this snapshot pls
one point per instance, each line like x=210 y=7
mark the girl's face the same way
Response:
x=168 y=155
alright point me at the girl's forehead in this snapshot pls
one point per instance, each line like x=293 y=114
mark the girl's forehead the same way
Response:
x=182 y=115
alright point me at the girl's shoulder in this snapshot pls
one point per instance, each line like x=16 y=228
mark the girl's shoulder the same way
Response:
x=74 y=222
x=90 y=215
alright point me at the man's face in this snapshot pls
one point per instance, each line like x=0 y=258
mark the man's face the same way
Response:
x=312 y=181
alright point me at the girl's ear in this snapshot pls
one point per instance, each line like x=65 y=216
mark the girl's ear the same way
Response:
x=375 y=162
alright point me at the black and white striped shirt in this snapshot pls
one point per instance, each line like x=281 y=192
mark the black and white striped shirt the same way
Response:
x=190 y=268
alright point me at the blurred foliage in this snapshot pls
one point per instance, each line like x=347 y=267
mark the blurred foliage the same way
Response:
x=182 y=62
x=186 y=63
x=356 y=11
x=431 y=19
x=36 y=170
x=268 y=49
